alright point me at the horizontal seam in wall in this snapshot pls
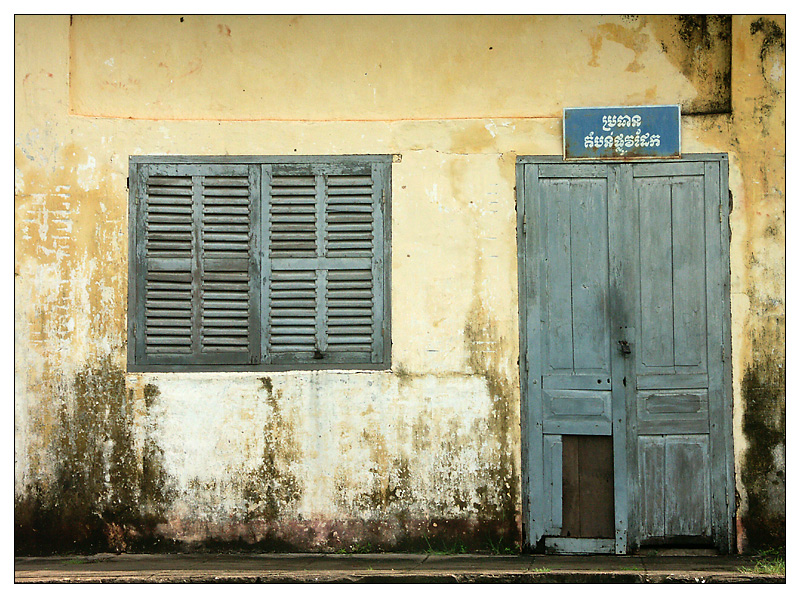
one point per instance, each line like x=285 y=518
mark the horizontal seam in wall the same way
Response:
x=310 y=120
x=558 y=117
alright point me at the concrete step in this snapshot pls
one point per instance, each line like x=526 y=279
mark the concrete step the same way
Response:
x=397 y=568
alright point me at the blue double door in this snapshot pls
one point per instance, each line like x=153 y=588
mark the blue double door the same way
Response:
x=625 y=354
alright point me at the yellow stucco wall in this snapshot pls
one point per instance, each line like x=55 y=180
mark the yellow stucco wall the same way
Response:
x=252 y=457
x=366 y=68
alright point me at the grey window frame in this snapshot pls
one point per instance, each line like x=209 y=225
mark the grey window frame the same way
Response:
x=262 y=166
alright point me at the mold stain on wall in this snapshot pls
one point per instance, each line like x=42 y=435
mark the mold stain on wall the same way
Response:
x=488 y=354
x=764 y=466
x=102 y=496
x=272 y=488
x=483 y=342
x=758 y=131
x=700 y=46
x=79 y=480
x=753 y=134
x=237 y=496
x=429 y=483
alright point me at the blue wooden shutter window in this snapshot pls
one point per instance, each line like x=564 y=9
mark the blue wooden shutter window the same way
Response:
x=259 y=263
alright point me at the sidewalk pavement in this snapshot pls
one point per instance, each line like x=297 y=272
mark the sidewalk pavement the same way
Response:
x=386 y=568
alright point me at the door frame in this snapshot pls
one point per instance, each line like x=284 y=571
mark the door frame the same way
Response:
x=623 y=402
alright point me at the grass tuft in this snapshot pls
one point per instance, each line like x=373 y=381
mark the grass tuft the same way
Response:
x=458 y=547
x=500 y=548
x=770 y=562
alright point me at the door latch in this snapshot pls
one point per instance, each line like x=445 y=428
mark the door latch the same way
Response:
x=624 y=347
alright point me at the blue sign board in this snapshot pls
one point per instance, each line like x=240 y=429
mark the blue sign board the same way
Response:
x=622 y=132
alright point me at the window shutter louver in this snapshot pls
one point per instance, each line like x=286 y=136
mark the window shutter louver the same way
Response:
x=197 y=252
x=168 y=248
x=325 y=275
x=229 y=266
x=353 y=293
x=292 y=249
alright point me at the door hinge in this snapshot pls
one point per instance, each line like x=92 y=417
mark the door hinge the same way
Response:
x=127 y=182
x=524 y=224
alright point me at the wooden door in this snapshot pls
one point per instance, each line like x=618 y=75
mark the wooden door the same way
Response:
x=680 y=350
x=624 y=295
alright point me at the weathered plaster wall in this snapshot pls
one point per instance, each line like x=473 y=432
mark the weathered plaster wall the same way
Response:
x=759 y=142
x=388 y=67
x=427 y=453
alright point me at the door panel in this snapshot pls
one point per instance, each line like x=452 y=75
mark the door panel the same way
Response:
x=558 y=288
x=653 y=485
x=672 y=411
x=675 y=478
x=688 y=274
x=576 y=275
x=576 y=412
x=672 y=276
x=615 y=250
x=589 y=272
x=553 y=476
x=656 y=343
x=687 y=476
x=587 y=487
